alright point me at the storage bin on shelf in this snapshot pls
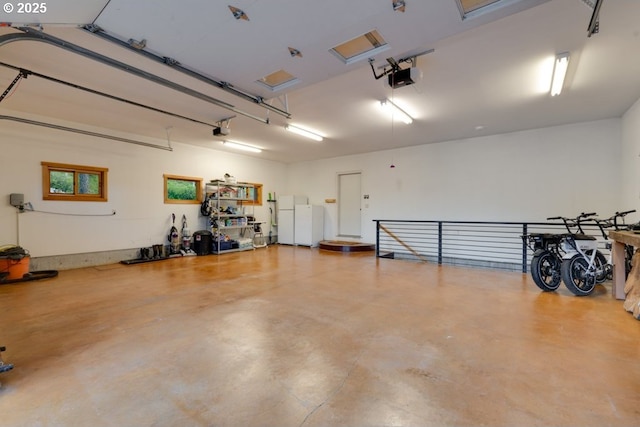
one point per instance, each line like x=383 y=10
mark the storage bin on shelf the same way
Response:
x=245 y=243
x=225 y=245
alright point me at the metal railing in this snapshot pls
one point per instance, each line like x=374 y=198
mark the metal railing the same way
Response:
x=497 y=245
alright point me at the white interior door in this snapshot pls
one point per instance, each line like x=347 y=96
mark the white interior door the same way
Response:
x=349 y=204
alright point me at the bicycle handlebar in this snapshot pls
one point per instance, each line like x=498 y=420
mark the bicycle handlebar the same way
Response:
x=609 y=222
x=602 y=223
x=568 y=222
x=620 y=215
x=574 y=222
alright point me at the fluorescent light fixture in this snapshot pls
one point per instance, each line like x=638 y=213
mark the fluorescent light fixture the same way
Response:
x=243 y=147
x=559 y=73
x=304 y=132
x=396 y=112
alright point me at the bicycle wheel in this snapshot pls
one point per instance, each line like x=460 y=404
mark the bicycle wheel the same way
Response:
x=545 y=270
x=577 y=277
x=604 y=269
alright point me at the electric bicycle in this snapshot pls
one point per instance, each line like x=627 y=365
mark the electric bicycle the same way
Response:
x=547 y=253
x=583 y=265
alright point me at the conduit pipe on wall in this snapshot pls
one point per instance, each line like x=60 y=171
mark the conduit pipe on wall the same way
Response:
x=83 y=132
x=30 y=34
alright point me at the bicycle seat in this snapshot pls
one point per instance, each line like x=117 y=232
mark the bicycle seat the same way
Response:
x=582 y=236
x=545 y=235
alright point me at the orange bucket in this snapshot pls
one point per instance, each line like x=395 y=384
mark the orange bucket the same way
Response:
x=17 y=268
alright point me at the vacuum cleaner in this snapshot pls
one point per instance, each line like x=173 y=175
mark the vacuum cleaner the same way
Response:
x=186 y=238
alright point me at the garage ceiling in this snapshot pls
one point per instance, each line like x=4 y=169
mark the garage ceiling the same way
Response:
x=484 y=74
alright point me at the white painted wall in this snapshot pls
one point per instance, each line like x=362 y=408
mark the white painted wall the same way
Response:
x=523 y=176
x=630 y=186
x=135 y=190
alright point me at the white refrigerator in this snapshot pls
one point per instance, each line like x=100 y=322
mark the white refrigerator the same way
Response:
x=309 y=225
x=286 y=217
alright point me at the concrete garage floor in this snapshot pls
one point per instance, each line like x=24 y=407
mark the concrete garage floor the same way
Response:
x=288 y=336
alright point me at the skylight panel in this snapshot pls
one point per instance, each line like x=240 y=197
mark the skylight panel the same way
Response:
x=361 y=47
x=278 y=80
x=469 y=8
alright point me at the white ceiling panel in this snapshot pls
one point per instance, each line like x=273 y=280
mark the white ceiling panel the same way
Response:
x=486 y=75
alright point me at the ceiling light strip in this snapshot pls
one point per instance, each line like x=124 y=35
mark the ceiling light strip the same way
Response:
x=396 y=112
x=304 y=132
x=241 y=146
x=559 y=73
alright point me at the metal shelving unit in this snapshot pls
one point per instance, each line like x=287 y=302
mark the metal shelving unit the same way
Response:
x=232 y=222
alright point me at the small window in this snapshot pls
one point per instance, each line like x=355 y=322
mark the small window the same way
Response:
x=74 y=182
x=254 y=195
x=182 y=189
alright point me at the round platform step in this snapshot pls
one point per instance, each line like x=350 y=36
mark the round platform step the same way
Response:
x=344 y=246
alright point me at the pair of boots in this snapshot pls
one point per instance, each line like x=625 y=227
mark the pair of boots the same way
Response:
x=154 y=252
x=158 y=251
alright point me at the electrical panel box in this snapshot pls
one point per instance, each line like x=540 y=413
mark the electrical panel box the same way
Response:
x=16 y=199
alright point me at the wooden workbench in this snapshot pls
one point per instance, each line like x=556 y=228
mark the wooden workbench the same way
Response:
x=621 y=238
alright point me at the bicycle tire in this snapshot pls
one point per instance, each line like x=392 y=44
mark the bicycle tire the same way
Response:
x=545 y=270
x=576 y=277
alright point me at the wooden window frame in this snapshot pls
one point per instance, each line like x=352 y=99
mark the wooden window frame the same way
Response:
x=258 y=195
x=48 y=167
x=199 y=187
